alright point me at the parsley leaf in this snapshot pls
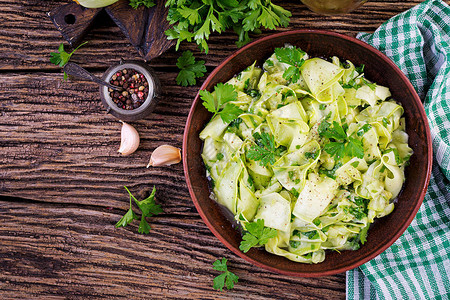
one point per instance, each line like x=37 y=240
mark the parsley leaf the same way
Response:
x=61 y=58
x=147 y=3
x=360 y=69
x=264 y=151
x=224 y=93
x=148 y=208
x=189 y=69
x=340 y=144
x=294 y=57
x=226 y=279
x=312 y=155
x=256 y=235
x=363 y=234
x=335 y=132
x=127 y=218
x=363 y=129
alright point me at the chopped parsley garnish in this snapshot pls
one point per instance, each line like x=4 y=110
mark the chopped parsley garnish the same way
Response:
x=312 y=235
x=322 y=106
x=264 y=151
x=236 y=123
x=312 y=155
x=256 y=235
x=360 y=69
x=295 y=192
x=351 y=84
x=294 y=244
x=363 y=129
x=226 y=279
x=360 y=209
x=219 y=156
x=398 y=159
x=371 y=85
x=330 y=173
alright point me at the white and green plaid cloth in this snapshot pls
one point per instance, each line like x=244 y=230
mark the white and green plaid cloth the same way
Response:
x=417 y=265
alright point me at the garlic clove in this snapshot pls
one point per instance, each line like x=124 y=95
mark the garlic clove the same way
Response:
x=165 y=155
x=129 y=139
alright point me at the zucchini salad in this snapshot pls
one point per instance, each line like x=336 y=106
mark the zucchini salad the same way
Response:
x=305 y=152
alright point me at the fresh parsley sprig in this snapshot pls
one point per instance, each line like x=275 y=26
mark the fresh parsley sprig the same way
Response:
x=264 y=151
x=147 y=3
x=219 y=104
x=226 y=279
x=294 y=57
x=340 y=144
x=61 y=58
x=148 y=208
x=195 y=20
x=256 y=235
x=189 y=69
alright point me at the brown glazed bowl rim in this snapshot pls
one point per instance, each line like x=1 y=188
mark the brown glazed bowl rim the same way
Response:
x=248 y=256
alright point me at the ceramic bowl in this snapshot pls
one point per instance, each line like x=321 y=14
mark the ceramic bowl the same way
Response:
x=379 y=69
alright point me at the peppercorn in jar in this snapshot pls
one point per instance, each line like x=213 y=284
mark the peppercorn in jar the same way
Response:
x=135 y=89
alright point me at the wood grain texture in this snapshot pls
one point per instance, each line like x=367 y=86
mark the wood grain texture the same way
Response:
x=59 y=149
x=65 y=250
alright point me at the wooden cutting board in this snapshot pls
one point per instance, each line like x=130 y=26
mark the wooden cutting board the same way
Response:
x=143 y=27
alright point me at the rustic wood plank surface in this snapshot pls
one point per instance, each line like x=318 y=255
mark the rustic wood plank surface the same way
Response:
x=59 y=151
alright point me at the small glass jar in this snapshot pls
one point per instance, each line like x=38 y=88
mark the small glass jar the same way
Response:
x=154 y=92
x=333 y=7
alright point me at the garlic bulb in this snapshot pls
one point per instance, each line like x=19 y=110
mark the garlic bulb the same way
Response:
x=165 y=155
x=129 y=139
x=95 y=3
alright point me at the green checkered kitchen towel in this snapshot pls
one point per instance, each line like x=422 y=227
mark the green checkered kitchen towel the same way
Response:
x=417 y=265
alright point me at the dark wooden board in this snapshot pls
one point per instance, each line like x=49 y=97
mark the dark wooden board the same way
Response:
x=59 y=150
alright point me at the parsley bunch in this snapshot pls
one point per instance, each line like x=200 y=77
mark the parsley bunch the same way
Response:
x=189 y=69
x=294 y=57
x=61 y=58
x=195 y=20
x=147 y=3
x=224 y=93
x=340 y=144
x=256 y=235
x=264 y=151
x=227 y=278
x=148 y=208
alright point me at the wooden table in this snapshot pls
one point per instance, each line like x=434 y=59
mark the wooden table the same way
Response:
x=61 y=178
